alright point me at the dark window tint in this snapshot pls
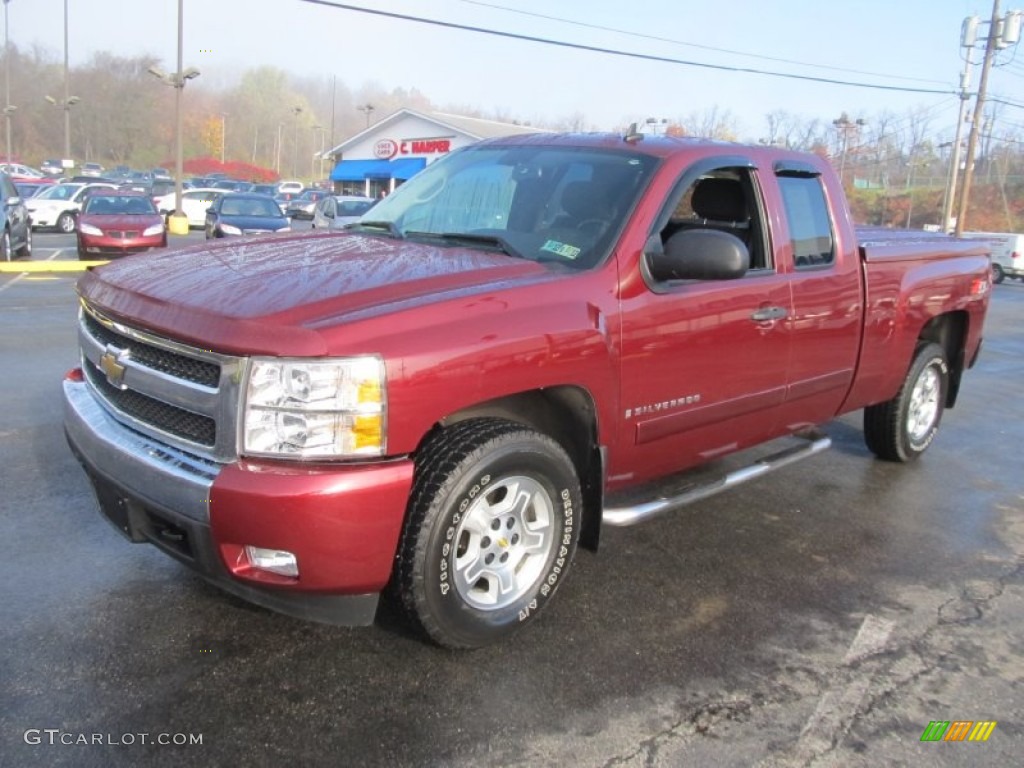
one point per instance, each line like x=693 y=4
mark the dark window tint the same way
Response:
x=810 y=227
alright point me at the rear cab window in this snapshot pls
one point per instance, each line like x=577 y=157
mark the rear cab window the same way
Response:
x=807 y=216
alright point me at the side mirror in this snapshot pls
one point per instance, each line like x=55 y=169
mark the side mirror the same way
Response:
x=699 y=254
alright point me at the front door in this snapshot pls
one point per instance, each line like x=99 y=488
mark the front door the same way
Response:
x=704 y=362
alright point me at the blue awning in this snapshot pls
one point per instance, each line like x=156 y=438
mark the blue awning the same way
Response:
x=359 y=170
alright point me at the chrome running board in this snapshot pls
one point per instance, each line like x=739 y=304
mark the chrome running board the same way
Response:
x=625 y=516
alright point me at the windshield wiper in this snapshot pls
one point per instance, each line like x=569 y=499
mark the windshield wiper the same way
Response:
x=389 y=226
x=472 y=238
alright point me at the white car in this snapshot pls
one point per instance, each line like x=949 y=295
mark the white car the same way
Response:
x=58 y=207
x=335 y=211
x=1007 y=253
x=291 y=187
x=194 y=203
x=21 y=171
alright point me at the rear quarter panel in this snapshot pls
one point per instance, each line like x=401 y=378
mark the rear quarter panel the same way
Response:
x=911 y=278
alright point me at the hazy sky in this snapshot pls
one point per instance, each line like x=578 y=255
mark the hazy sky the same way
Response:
x=887 y=42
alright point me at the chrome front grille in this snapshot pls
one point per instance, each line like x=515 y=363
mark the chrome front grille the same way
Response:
x=185 y=396
x=177 y=365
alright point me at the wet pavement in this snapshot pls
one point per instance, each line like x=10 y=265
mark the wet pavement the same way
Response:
x=823 y=615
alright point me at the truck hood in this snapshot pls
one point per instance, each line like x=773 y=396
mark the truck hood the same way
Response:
x=267 y=295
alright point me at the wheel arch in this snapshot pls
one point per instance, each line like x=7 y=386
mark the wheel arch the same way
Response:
x=567 y=414
x=949 y=331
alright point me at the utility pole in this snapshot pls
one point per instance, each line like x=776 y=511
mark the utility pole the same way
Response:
x=844 y=125
x=954 y=161
x=8 y=107
x=1001 y=33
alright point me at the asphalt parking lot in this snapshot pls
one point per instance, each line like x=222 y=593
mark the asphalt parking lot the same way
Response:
x=824 y=615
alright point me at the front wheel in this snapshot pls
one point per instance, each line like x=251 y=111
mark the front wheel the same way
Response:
x=25 y=252
x=903 y=428
x=997 y=274
x=5 y=246
x=66 y=223
x=493 y=522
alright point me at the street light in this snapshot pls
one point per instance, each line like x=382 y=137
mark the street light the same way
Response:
x=177 y=81
x=65 y=104
x=368 y=109
x=8 y=108
x=68 y=101
x=295 y=143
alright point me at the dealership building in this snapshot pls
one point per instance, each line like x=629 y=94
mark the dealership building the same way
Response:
x=391 y=150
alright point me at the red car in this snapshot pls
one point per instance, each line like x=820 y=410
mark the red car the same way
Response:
x=115 y=222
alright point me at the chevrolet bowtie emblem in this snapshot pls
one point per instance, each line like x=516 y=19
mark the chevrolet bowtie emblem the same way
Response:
x=112 y=366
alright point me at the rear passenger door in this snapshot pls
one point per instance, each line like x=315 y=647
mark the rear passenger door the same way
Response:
x=825 y=323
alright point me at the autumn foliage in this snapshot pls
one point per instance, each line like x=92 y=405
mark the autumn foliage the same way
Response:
x=235 y=169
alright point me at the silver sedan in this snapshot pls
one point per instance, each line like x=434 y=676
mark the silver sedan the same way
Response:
x=335 y=211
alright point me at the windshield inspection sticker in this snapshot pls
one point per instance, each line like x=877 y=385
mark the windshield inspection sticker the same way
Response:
x=561 y=249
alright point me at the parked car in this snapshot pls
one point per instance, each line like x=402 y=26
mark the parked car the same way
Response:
x=264 y=189
x=335 y=211
x=19 y=171
x=1007 y=253
x=27 y=189
x=161 y=173
x=58 y=206
x=194 y=204
x=16 y=235
x=301 y=207
x=116 y=223
x=283 y=199
x=290 y=187
x=233 y=185
x=93 y=170
x=52 y=167
x=242 y=214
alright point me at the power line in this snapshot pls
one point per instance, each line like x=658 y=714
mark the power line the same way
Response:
x=697 y=45
x=625 y=54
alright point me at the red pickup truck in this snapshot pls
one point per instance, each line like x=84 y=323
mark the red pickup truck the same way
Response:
x=528 y=340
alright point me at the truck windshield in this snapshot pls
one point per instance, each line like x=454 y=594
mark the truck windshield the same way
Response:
x=540 y=203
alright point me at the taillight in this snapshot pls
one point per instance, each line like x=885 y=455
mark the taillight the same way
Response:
x=1014 y=255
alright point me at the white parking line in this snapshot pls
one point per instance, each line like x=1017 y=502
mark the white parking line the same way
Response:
x=839 y=705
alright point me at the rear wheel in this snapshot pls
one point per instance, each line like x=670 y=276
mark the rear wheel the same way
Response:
x=997 y=274
x=492 y=528
x=903 y=428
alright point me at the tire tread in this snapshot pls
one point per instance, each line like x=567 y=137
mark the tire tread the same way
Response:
x=437 y=461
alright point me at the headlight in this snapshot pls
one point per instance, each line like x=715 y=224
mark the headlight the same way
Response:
x=156 y=229
x=315 y=409
x=230 y=230
x=89 y=229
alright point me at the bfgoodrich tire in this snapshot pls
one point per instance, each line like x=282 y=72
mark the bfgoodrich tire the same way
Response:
x=492 y=527
x=903 y=428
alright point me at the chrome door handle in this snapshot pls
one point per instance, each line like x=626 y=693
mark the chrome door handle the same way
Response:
x=767 y=314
